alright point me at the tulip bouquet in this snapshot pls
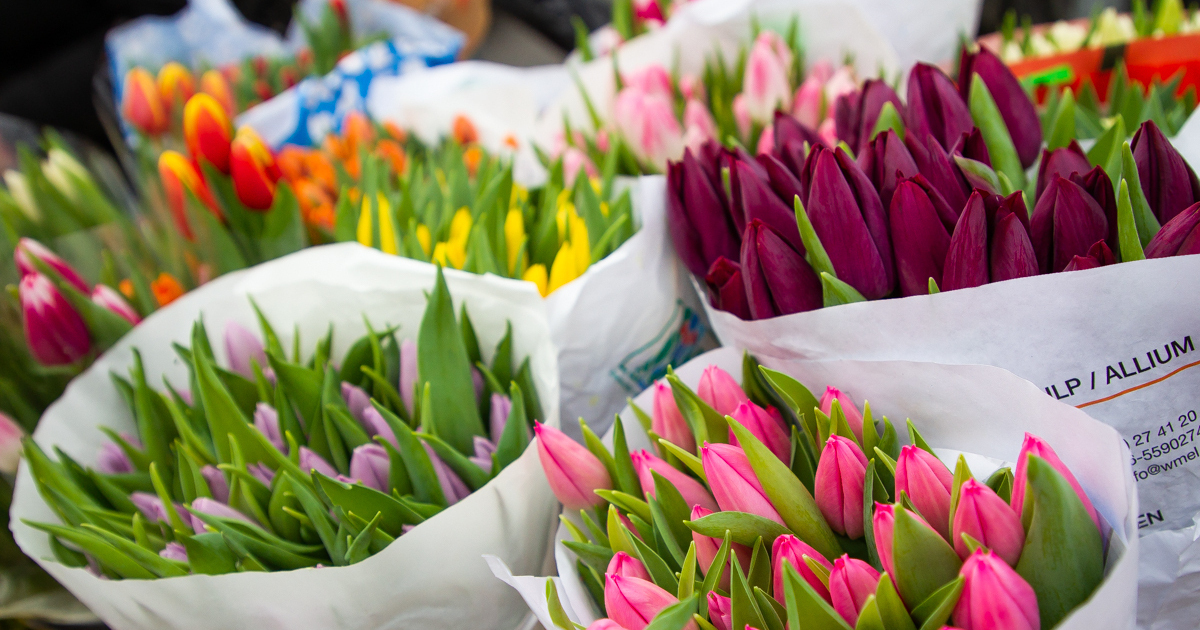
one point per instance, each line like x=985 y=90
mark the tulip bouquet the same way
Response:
x=764 y=506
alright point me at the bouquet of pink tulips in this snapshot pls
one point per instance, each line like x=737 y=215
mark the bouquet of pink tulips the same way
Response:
x=763 y=506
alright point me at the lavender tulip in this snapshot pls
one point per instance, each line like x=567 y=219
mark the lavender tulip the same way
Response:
x=700 y=225
x=919 y=237
x=1066 y=222
x=935 y=106
x=356 y=400
x=1179 y=237
x=452 y=485
x=501 y=406
x=209 y=507
x=311 y=461
x=243 y=347
x=266 y=420
x=262 y=473
x=54 y=330
x=726 y=288
x=372 y=421
x=778 y=280
x=1169 y=182
x=112 y=460
x=990 y=243
x=370 y=464
x=483 y=453
x=174 y=551
x=218 y=486
x=408 y=372
x=150 y=506
x=1018 y=111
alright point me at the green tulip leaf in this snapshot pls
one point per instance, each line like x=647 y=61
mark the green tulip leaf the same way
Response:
x=743 y=527
x=923 y=560
x=805 y=608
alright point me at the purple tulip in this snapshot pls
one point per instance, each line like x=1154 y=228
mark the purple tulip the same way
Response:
x=1100 y=187
x=927 y=482
x=692 y=491
x=971 y=146
x=112 y=300
x=356 y=399
x=838 y=485
x=984 y=516
x=720 y=390
x=54 y=330
x=500 y=408
x=935 y=106
x=763 y=426
x=790 y=136
x=573 y=471
x=1066 y=222
x=242 y=347
x=453 y=487
x=755 y=200
x=483 y=453
x=919 y=237
x=994 y=596
x=372 y=421
x=28 y=249
x=370 y=464
x=855 y=114
x=174 y=551
x=408 y=372
x=990 y=243
x=886 y=161
x=266 y=420
x=1169 y=182
x=726 y=288
x=785 y=184
x=150 y=506
x=218 y=486
x=1018 y=112
x=478 y=383
x=204 y=505
x=310 y=461
x=734 y=484
x=848 y=217
x=261 y=472
x=1098 y=255
x=937 y=165
x=791 y=550
x=112 y=460
x=850 y=583
x=699 y=221
x=626 y=565
x=1064 y=162
x=778 y=280
x=1179 y=237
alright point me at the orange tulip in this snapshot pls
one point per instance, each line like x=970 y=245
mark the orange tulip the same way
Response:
x=357 y=131
x=175 y=84
x=321 y=170
x=216 y=85
x=316 y=205
x=141 y=103
x=464 y=130
x=206 y=130
x=391 y=151
x=471 y=158
x=291 y=162
x=253 y=170
x=126 y=287
x=395 y=131
x=166 y=289
x=177 y=174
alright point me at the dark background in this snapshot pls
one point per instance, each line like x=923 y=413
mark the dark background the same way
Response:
x=50 y=50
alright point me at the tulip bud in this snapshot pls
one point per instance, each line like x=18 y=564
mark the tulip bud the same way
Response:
x=266 y=420
x=205 y=505
x=754 y=198
x=625 y=565
x=111 y=299
x=720 y=611
x=994 y=596
x=693 y=492
x=720 y=390
x=1169 y=182
x=501 y=406
x=856 y=113
x=112 y=460
x=990 y=243
x=1066 y=222
x=1178 y=237
x=699 y=222
x=28 y=249
x=765 y=85
x=764 y=427
x=886 y=161
x=253 y=170
x=10 y=444
x=791 y=550
x=984 y=516
x=938 y=166
x=150 y=506
x=408 y=372
x=310 y=461
x=573 y=472
x=242 y=347
x=178 y=177
x=1062 y=162
x=850 y=583
x=218 y=485
x=667 y=421
x=741 y=115
x=370 y=465
x=790 y=138
x=778 y=279
x=854 y=417
x=142 y=105
x=1098 y=255
x=707 y=548
x=808 y=102
x=919 y=237
x=483 y=453
x=647 y=122
x=452 y=485
x=1019 y=114
x=971 y=146
x=1034 y=445
x=54 y=330
x=927 y=482
x=214 y=84
x=734 y=484
x=206 y=130
x=175 y=84
x=356 y=400
x=726 y=288
x=838 y=485
x=935 y=106
x=174 y=551
x=699 y=126
x=634 y=602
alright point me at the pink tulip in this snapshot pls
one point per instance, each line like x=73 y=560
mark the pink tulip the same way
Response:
x=765 y=427
x=605 y=624
x=791 y=550
x=1034 y=445
x=691 y=87
x=666 y=420
x=653 y=79
x=408 y=372
x=707 y=548
x=827 y=132
x=720 y=611
x=204 y=505
x=699 y=126
x=632 y=602
x=841 y=473
x=822 y=71
x=741 y=115
x=927 y=482
x=266 y=420
x=28 y=249
x=242 y=347
x=854 y=417
x=54 y=331
x=766 y=141
x=883 y=523
x=720 y=390
x=370 y=464
x=112 y=460
x=994 y=596
x=112 y=300
x=984 y=516
x=647 y=122
x=310 y=461
x=648 y=10
x=810 y=101
x=625 y=565
x=734 y=484
x=693 y=492
x=842 y=82
x=766 y=86
x=574 y=162
x=573 y=472
x=850 y=583
x=218 y=486
x=10 y=444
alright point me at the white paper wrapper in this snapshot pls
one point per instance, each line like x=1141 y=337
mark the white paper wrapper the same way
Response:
x=432 y=577
x=972 y=408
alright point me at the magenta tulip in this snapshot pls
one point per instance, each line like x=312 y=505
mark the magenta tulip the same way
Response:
x=994 y=596
x=850 y=583
x=408 y=372
x=727 y=289
x=54 y=330
x=927 y=482
x=755 y=199
x=625 y=565
x=697 y=215
x=1034 y=445
x=693 y=492
x=633 y=602
x=856 y=113
x=939 y=167
x=734 y=484
x=935 y=106
x=1062 y=162
x=990 y=243
x=778 y=279
x=841 y=472
x=886 y=161
x=766 y=428
x=1017 y=110
x=667 y=421
x=112 y=300
x=573 y=472
x=919 y=237
x=28 y=249
x=720 y=611
x=788 y=549
x=720 y=390
x=1098 y=255
x=984 y=516
x=854 y=417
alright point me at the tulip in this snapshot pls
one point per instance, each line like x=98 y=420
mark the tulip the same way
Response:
x=939 y=167
x=693 y=492
x=150 y=506
x=483 y=453
x=790 y=138
x=692 y=87
x=10 y=444
x=1169 y=182
x=310 y=461
x=266 y=420
x=408 y=372
x=109 y=298
x=856 y=113
x=971 y=146
x=720 y=611
x=767 y=429
x=1064 y=162
x=809 y=102
x=1098 y=255
x=754 y=199
x=265 y=475
x=720 y=390
x=849 y=218
x=1034 y=445
x=206 y=130
x=253 y=170
x=883 y=524
x=218 y=485
x=1066 y=222
x=994 y=596
x=726 y=288
x=175 y=84
x=841 y=472
x=576 y=161
x=28 y=249
x=886 y=161
x=356 y=399
x=369 y=464
x=741 y=115
x=919 y=236
x=112 y=460
x=178 y=177
x=625 y=565
x=214 y=84
x=605 y=624
x=54 y=331
x=573 y=472
x=1178 y=237
x=778 y=279
x=990 y=243
x=700 y=225
x=791 y=550
x=166 y=289
x=854 y=417
x=927 y=482
x=935 y=106
x=652 y=79
x=453 y=488
x=501 y=406
x=766 y=85
x=1019 y=114
x=243 y=348
x=850 y=583
x=667 y=422
x=647 y=122
x=733 y=482
x=633 y=602
x=174 y=551
x=142 y=105
x=1097 y=184
x=207 y=506
x=707 y=548
x=984 y=516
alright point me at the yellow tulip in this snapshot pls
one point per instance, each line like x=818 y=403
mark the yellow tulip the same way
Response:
x=579 y=244
x=564 y=269
x=460 y=226
x=537 y=275
x=424 y=238
x=514 y=238
x=439 y=255
x=518 y=196
x=387 y=228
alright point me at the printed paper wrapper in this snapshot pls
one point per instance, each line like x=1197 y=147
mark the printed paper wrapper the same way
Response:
x=976 y=409
x=433 y=576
